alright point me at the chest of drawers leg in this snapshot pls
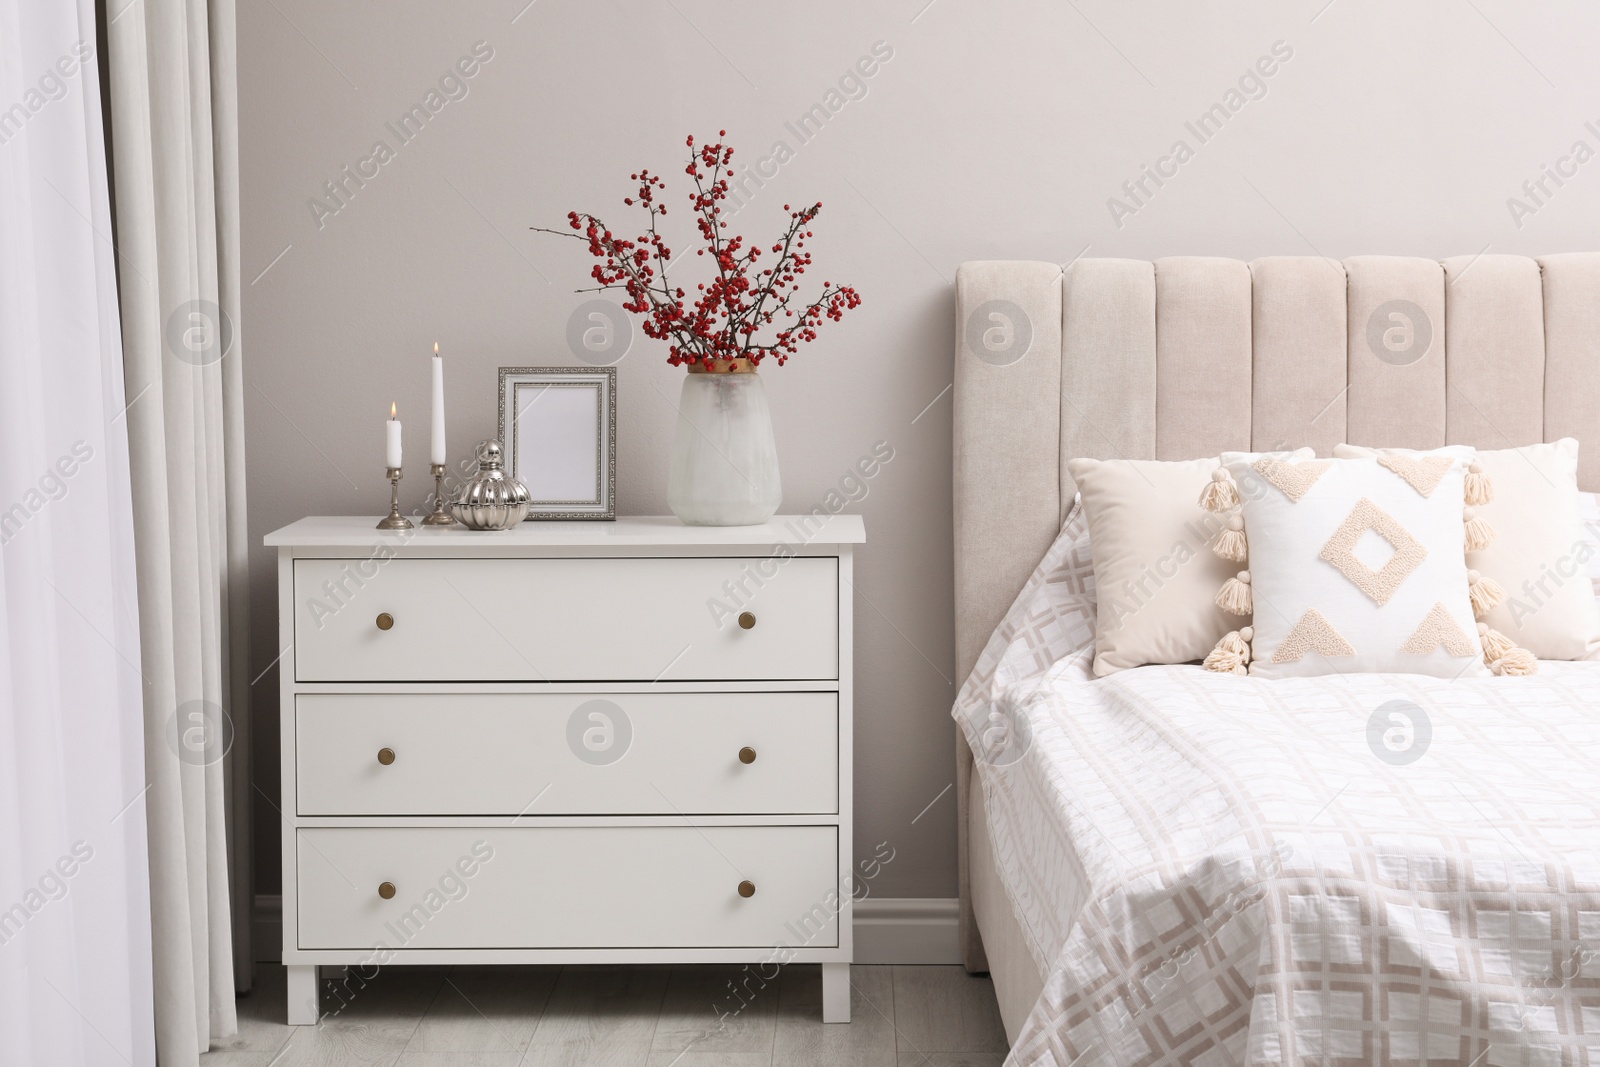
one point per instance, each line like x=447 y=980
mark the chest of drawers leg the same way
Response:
x=602 y=743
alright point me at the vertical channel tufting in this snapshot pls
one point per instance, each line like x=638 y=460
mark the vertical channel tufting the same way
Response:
x=1300 y=353
x=1007 y=437
x=1396 y=327
x=1202 y=356
x=1494 y=351
x=1571 y=283
x=1108 y=362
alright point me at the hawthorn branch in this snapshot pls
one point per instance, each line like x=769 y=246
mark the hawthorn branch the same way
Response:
x=726 y=319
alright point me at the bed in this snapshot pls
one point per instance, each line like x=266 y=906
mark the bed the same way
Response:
x=1263 y=891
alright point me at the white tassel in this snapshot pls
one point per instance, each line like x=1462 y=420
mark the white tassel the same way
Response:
x=1236 y=642
x=1495 y=643
x=1480 y=490
x=1231 y=653
x=1478 y=531
x=1503 y=657
x=1234 y=597
x=1220 y=493
x=1230 y=543
x=1485 y=593
x=1221 y=661
x=1516 y=663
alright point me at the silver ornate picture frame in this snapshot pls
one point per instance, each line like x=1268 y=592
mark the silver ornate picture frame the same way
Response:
x=558 y=426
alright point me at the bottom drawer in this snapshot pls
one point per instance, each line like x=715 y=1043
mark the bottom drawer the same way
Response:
x=567 y=887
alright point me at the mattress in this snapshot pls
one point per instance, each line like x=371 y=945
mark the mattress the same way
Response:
x=1221 y=870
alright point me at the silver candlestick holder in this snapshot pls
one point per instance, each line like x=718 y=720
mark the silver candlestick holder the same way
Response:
x=438 y=517
x=394 y=520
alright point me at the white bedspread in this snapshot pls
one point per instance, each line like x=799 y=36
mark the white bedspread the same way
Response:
x=1345 y=870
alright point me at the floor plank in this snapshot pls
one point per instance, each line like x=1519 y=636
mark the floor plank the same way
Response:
x=604 y=1016
x=485 y=1010
x=235 y=1058
x=718 y=1008
x=376 y=1043
x=945 y=1009
x=803 y=1040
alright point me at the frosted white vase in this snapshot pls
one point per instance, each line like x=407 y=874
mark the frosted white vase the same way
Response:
x=725 y=460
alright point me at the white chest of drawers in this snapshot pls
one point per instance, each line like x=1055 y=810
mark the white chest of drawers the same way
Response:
x=566 y=743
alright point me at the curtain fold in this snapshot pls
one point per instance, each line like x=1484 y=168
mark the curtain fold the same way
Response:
x=236 y=533
x=75 y=948
x=174 y=154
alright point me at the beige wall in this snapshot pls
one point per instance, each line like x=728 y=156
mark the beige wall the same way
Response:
x=995 y=130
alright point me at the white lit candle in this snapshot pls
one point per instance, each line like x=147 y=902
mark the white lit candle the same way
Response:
x=393 y=427
x=438 y=407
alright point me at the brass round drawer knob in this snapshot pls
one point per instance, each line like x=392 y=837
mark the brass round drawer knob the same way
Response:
x=746 y=888
x=386 y=890
x=747 y=755
x=386 y=756
x=385 y=621
x=747 y=620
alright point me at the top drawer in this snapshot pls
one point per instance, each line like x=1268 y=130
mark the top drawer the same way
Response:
x=590 y=619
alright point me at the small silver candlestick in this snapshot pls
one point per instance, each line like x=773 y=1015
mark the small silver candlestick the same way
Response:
x=438 y=517
x=394 y=520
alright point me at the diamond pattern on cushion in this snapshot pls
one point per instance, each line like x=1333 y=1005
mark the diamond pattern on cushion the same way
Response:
x=1380 y=584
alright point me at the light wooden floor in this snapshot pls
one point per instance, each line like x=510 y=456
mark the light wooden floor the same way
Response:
x=651 y=1016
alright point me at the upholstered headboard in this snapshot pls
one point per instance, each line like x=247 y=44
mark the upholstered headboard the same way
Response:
x=1187 y=357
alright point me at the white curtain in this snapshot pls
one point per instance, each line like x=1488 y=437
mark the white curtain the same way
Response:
x=75 y=950
x=174 y=153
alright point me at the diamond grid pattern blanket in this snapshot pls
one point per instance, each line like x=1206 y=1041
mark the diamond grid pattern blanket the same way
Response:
x=1362 y=869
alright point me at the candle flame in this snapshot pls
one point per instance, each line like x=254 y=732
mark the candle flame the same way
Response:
x=436 y=348
x=393 y=413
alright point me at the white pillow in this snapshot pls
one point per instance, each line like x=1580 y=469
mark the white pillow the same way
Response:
x=1155 y=578
x=1540 y=549
x=1355 y=566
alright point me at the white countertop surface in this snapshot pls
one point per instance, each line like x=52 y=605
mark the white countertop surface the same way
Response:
x=357 y=530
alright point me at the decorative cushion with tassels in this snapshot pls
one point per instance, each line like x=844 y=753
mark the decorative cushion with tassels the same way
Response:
x=1354 y=565
x=1529 y=497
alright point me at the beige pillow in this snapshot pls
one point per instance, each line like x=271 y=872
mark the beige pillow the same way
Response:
x=1539 y=552
x=1155 y=576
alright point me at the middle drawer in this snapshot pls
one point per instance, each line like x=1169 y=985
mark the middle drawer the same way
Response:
x=577 y=753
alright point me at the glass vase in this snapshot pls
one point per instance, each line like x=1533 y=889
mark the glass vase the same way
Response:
x=725 y=460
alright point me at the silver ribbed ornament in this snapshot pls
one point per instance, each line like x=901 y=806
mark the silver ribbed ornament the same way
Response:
x=491 y=499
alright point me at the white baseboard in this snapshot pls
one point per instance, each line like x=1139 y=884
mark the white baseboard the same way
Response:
x=888 y=929
x=907 y=930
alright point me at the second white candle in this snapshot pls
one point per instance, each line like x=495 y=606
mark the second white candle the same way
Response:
x=438 y=450
x=392 y=427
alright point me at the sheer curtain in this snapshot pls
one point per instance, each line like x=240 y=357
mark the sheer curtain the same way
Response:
x=75 y=949
x=174 y=154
